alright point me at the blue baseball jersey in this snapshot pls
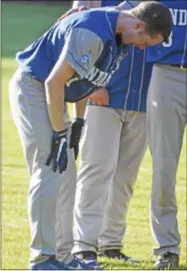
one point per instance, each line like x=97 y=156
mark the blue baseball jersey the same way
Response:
x=110 y=3
x=87 y=40
x=173 y=52
x=129 y=86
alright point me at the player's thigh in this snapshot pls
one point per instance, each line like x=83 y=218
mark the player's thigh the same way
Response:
x=157 y=86
x=29 y=109
x=166 y=111
x=101 y=136
x=167 y=89
x=133 y=142
x=30 y=112
x=98 y=157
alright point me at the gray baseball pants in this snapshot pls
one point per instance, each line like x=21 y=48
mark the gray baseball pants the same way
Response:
x=112 y=147
x=167 y=112
x=47 y=189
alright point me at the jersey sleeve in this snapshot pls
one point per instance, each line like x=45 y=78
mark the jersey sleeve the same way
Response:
x=129 y=4
x=87 y=4
x=82 y=49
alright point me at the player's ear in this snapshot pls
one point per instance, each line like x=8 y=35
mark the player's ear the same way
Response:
x=140 y=25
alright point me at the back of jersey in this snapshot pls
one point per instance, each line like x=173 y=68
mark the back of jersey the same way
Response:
x=174 y=51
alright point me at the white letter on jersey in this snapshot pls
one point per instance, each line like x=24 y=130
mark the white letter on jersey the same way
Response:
x=174 y=13
x=183 y=17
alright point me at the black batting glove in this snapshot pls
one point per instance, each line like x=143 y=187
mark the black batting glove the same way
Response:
x=58 y=156
x=76 y=130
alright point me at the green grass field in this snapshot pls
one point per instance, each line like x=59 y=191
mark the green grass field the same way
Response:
x=21 y=23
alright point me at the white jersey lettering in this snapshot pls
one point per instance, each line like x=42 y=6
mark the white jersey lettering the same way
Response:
x=179 y=16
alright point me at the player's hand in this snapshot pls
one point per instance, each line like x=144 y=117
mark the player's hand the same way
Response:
x=76 y=130
x=100 y=97
x=58 y=156
x=71 y=11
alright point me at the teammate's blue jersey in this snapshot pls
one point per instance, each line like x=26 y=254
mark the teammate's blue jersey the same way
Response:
x=173 y=52
x=128 y=88
x=40 y=57
x=110 y=3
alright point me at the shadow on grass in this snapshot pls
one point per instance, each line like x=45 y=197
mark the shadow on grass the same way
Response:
x=125 y=266
x=112 y=264
x=109 y=264
x=182 y=267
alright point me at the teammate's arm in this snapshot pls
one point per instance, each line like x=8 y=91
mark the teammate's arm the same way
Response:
x=126 y=5
x=86 y=4
x=97 y=3
x=79 y=6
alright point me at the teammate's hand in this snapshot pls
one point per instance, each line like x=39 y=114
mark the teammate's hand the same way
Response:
x=58 y=155
x=76 y=130
x=100 y=97
x=71 y=11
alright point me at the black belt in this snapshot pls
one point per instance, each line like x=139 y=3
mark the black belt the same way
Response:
x=180 y=66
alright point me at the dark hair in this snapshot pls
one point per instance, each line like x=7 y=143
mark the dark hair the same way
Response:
x=157 y=17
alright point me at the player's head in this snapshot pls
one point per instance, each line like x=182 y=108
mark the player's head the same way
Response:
x=150 y=23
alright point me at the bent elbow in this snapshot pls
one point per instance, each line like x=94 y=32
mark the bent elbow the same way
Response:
x=52 y=85
x=49 y=83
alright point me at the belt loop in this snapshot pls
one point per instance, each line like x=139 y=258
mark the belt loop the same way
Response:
x=183 y=68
